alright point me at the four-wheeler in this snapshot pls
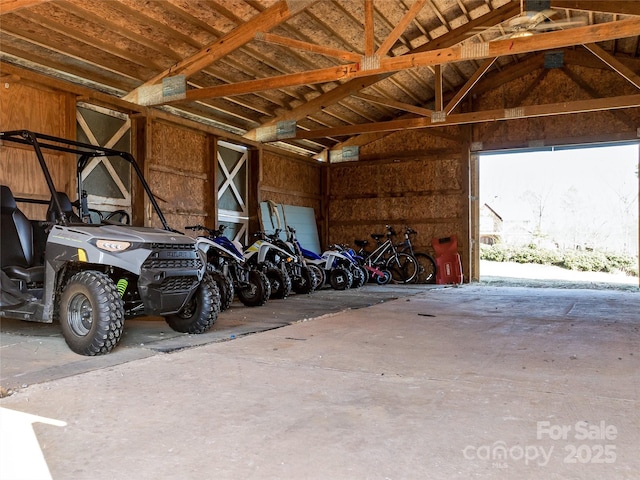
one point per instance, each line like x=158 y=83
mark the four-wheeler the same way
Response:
x=92 y=276
x=226 y=264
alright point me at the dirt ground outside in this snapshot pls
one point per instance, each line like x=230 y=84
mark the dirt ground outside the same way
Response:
x=533 y=275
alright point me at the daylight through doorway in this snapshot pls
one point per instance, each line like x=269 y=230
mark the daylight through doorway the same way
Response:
x=560 y=214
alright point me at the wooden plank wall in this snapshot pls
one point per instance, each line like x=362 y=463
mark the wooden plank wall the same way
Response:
x=176 y=155
x=426 y=188
x=570 y=83
x=42 y=110
x=179 y=166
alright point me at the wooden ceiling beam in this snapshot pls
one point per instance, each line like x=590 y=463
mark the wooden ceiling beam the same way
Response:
x=465 y=52
x=369 y=31
x=309 y=47
x=387 y=102
x=522 y=112
x=466 y=88
x=345 y=89
x=614 y=63
x=7 y=6
x=623 y=7
x=437 y=75
x=399 y=29
x=271 y=17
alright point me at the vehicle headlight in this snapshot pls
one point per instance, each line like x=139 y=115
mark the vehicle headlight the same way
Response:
x=112 y=245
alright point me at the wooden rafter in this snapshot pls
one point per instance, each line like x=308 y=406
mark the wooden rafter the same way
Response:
x=528 y=111
x=268 y=19
x=345 y=89
x=399 y=29
x=513 y=46
x=7 y=6
x=394 y=104
x=614 y=63
x=469 y=85
x=437 y=74
x=369 y=31
x=623 y=7
x=309 y=47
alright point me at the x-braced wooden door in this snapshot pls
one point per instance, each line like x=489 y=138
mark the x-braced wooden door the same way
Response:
x=232 y=190
x=106 y=179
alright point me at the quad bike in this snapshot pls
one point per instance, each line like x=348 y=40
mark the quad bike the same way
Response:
x=317 y=273
x=303 y=279
x=92 y=276
x=338 y=266
x=226 y=264
x=271 y=260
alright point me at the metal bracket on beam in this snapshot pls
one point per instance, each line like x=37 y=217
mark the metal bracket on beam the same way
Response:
x=171 y=88
x=370 y=62
x=440 y=116
x=280 y=131
x=517 y=112
x=345 y=154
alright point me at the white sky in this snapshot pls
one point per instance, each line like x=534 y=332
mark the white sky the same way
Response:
x=596 y=186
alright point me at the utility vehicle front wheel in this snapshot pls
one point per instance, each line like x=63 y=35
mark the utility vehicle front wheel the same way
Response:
x=91 y=313
x=201 y=312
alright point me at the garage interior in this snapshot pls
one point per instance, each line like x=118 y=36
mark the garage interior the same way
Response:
x=369 y=112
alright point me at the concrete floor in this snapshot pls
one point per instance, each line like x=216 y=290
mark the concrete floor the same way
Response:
x=432 y=383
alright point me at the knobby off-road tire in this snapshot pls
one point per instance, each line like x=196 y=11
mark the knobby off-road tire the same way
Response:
x=359 y=277
x=91 y=313
x=257 y=292
x=280 y=282
x=427 y=268
x=307 y=281
x=201 y=312
x=225 y=286
x=340 y=278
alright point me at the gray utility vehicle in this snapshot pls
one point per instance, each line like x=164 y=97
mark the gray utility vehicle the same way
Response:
x=89 y=271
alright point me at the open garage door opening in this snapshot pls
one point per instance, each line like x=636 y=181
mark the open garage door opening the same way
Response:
x=560 y=216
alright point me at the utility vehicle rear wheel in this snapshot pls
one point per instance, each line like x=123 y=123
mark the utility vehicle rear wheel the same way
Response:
x=257 y=292
x=91 y=313
x=201 y=312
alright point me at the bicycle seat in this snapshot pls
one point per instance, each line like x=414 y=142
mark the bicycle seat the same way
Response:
x=378 y=236
x=361 y=243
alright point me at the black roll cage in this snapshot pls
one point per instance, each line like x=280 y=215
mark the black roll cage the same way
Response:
x=86 y=152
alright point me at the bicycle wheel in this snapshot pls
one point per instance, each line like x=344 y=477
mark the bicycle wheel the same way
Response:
x=403 y=268
x=426 y=268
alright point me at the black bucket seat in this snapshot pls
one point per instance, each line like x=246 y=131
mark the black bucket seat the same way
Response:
x=17 y=252
x=65 y=203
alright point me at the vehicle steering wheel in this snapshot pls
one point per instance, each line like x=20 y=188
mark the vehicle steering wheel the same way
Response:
x=121 y=215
